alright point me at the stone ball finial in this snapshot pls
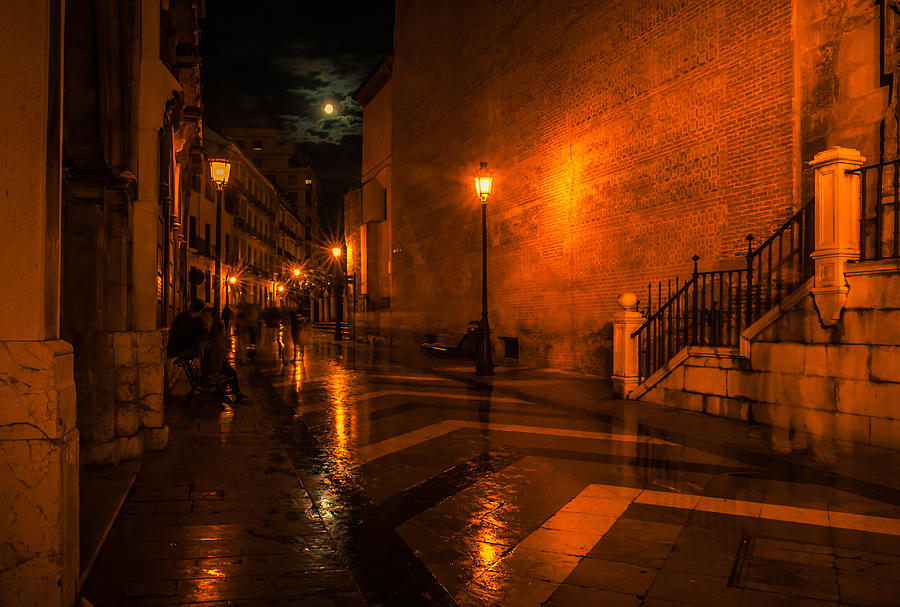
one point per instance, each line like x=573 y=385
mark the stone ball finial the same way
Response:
x=628 y=301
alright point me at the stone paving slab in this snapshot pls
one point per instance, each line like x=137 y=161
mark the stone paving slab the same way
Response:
x=220 y=518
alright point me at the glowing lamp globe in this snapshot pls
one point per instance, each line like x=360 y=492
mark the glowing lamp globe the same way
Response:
x=232 y=280
x=219 y=171
x=483 y=183
x=296 y=271
x=336 y=251
x=280 y=288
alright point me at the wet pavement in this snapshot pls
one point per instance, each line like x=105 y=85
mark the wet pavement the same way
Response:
x=349 y=479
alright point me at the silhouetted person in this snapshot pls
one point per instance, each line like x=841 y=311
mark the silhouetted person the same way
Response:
x=298 y=322
x=215 y=360
x=226 y=319
x=187 y=333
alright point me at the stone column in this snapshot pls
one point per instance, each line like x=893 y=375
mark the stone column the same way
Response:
x=837 y=227
x=38 y=438
x=625 y=347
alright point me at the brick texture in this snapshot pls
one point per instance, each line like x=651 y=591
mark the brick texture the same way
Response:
x=624 y=138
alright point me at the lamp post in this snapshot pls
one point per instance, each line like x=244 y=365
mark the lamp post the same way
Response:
x=485 y=363
x=220 y=171
x=337 y=252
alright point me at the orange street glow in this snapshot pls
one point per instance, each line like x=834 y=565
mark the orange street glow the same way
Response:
x=336 y=251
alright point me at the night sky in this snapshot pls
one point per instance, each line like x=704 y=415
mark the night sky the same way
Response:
x=275 y=64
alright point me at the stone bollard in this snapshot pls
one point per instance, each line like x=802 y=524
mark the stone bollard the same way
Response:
x=625 y=347
x=837 y=228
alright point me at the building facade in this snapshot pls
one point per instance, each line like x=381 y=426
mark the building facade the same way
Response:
x=624 y=138
x=281 y=166
x=100 y=141
x=367 y=214
x=263 y=237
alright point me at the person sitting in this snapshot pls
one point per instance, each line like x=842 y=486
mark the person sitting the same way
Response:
x=186 y=333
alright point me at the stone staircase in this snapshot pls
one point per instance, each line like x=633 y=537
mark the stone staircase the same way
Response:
x=810 y=349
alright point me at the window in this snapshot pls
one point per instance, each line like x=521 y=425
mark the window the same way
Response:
x=294 y=162
x=192 y=232
x=206 y=235
x=227 y=244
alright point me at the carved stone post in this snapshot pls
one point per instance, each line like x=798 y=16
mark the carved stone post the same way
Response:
x=625 y=347
x=837 y=227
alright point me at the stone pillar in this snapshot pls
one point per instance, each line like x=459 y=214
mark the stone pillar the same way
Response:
x=38 y=438
x=837 y=227
x=625 y=347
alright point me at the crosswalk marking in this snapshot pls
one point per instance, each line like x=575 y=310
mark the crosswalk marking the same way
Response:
x=573 y=531
x=373 y=451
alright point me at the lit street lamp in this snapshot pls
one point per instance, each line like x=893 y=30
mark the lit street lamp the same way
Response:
x=220 y=171
x=485 y=363
x=337 y=252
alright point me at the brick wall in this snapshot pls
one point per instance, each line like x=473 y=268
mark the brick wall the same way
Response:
x=624 y=138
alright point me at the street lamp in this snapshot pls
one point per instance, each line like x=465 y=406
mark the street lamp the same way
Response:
x=485 y=363
x=220 y=171
x=296 y=272
x=337 y=252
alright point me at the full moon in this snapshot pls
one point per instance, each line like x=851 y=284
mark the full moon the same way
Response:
x=329 y=108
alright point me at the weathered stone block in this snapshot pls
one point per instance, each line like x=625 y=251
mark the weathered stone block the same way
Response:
x=125 y=380
x=38 y=378
x=745 y=384
x=819 y=423
x=128 y=419
x=130 y=447
x=814 y=362
x=156 y=439
x=675 y=379
x=704 y=380
x=123 y=348
x=847 y=361
x=777 y=357
x=150 y=380
x=151 y=411
x=885 y=363
x=39 y=519
x=816 y=393
x=873 y=291
x=862 y=326
x=150 y=347
x=886 y=433
x=875 y=399
x=684 y=400
x=851 y=428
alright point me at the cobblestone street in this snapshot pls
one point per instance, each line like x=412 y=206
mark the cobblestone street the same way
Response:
x=346 y=479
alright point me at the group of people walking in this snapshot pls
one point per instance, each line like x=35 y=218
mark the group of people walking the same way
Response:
x=201 y=334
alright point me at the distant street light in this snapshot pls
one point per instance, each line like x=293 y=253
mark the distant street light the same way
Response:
x=219 y=172
x=297 y=272
x=338 y=275
x=232 y=280
x=485 y=363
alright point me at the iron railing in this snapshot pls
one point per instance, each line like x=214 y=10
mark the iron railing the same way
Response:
x=713 y=308
x=879 y=214
x=782 y=263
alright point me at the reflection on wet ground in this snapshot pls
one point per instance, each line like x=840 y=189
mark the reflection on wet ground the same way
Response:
x=538 y=488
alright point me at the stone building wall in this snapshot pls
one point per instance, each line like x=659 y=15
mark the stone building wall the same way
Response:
x=624 y=138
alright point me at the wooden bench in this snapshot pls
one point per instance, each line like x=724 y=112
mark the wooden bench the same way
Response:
x=445 y=344
x=201 y=384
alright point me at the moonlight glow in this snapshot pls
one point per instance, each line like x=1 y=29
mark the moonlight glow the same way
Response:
x=329 y=108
